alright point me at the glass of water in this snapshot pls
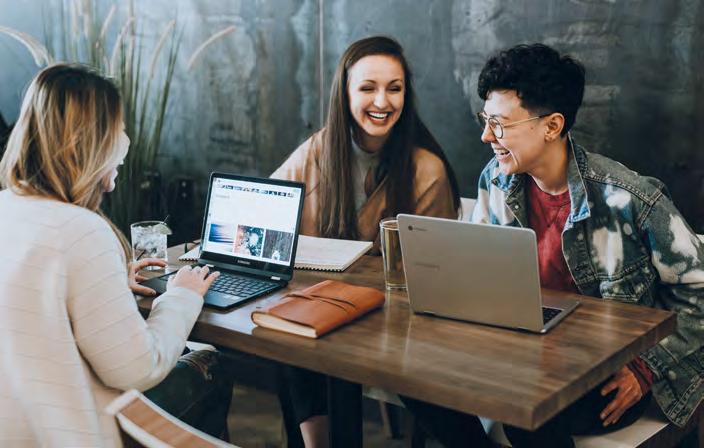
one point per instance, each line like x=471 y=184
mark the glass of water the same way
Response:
x=149 y=241
x=394 y=276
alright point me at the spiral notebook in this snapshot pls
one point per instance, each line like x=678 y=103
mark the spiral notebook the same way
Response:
x=321 y=254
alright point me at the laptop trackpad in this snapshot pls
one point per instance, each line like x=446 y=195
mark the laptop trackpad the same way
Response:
x=219 y=300
x=212 y=298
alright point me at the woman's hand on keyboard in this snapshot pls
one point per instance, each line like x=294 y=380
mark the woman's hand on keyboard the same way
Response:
x=194 y=278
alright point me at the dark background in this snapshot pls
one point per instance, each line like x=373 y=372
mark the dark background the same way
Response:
x=255 y=95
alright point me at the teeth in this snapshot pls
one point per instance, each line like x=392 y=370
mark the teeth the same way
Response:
x=378 y=115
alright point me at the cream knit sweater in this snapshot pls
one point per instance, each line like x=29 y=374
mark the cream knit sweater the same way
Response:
x=71 y=337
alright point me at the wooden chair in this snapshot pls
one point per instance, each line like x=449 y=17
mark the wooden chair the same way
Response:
x=652 y=430
x=144 y=424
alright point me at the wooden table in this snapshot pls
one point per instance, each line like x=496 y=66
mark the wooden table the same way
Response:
x=517 y=378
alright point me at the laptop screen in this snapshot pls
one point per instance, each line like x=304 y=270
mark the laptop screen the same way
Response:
x=252 y=222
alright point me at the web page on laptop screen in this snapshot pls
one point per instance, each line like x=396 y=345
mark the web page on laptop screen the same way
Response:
x=252 y=220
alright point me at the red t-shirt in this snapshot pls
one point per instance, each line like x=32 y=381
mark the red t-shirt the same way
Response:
x=547 y=215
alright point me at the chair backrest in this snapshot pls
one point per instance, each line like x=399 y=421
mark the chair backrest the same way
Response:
x=142 y=423
x=651 y=430
x=466 y=207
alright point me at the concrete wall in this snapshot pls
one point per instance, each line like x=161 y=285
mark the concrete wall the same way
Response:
x=257 y=93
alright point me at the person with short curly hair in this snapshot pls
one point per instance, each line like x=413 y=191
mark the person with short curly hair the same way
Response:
x=602 y=230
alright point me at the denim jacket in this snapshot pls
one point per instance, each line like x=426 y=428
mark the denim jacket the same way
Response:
x=624 y=240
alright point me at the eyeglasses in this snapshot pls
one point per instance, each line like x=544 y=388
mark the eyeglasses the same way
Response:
x=497 y=128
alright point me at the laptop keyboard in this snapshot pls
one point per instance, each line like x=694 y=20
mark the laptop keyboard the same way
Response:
x=550 y=313
x=238 y=285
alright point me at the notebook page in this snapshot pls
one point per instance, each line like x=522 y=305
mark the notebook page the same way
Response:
x=191 y=255
x=328 y=254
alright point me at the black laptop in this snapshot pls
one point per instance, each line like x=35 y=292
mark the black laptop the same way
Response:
x=250 y=235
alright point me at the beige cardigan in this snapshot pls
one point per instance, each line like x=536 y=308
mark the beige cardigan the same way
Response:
x=433 y=194
x=71 y=337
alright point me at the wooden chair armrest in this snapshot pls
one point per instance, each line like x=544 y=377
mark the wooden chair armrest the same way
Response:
x=142 y=423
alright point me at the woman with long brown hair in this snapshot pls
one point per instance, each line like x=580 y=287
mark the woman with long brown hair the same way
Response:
x=71 y=336
x=374 y=159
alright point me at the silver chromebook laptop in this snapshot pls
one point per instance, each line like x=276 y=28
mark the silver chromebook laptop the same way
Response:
x=477 y=272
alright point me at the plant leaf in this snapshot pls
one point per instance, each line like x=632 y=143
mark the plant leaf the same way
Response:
x=210 y=40
x=169 y=28
x=106 y=23
x=38 y=51
x=112 y=69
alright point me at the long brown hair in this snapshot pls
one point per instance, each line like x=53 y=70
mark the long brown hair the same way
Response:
x=64 y=142
x=338 y=214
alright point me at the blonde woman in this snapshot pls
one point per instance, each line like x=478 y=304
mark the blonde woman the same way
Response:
x=71 y=336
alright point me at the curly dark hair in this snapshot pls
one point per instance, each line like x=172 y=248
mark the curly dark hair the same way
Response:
x=544 y=80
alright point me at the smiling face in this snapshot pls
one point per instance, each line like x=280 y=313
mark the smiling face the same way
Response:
x=522 y=147
x=376 y=91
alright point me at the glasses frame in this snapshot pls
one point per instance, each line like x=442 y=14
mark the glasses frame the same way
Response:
x=495 y=124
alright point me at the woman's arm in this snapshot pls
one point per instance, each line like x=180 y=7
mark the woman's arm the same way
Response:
x=123 y=349
x=433 y=192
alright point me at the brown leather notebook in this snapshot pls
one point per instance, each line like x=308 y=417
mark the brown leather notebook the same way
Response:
x=319 y=309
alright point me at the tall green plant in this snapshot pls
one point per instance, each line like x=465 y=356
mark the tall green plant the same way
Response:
x=145 y=100
x=145 y=90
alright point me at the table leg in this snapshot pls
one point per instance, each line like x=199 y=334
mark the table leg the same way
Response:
x=345 y=410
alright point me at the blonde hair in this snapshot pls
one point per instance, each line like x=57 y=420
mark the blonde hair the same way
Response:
x=64 y=143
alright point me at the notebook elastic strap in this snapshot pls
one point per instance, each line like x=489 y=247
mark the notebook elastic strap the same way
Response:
x=339 y=302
